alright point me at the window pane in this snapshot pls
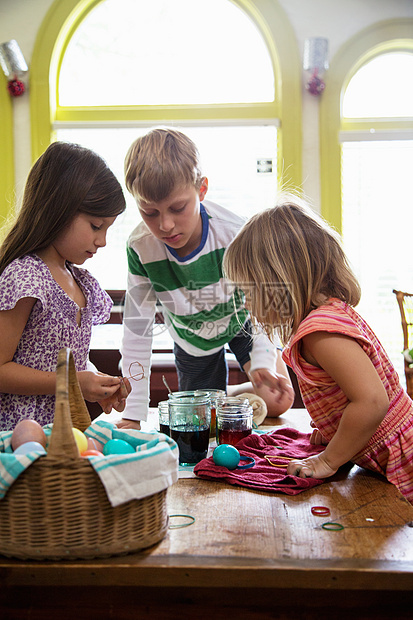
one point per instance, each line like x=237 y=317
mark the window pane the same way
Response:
x=240 y=163
x=377 y=232
x=381 y=88
x=158 y=52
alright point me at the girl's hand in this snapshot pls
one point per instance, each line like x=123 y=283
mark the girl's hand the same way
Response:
x=118 y=400
x=312 y=467
x=97 y=386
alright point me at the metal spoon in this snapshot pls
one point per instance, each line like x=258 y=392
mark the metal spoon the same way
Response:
x=166 y=384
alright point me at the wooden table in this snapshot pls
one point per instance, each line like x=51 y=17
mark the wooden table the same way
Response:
x=249 y=554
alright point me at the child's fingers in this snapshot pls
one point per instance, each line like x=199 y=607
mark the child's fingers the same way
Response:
x=299 y=469
x=106 y=391
x=125 y=388
x=120 y=405
x=109 y=381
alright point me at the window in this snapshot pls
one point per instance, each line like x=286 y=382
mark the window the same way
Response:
x=135 y=52
x=377 y=189
x=154 y=57
x=231 y=159
x=381 y=88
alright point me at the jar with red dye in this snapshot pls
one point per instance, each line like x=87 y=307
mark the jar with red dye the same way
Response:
x=234 y=420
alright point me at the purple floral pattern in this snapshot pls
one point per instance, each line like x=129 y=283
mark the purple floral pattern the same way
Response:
x=51 y=326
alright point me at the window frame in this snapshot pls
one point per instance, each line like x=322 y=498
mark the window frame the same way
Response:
x=386 y=36
x=63 y=18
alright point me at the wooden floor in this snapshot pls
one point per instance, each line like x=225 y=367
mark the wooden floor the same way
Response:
x=254 y=554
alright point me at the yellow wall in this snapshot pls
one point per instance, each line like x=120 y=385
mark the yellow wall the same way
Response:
x=6 y=151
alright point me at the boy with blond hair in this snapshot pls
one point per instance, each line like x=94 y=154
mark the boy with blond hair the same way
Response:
x=175 y=260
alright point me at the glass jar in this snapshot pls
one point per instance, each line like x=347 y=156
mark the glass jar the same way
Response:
x=215 y=396
x=187 y=393
x=163 y=413
x=189 y=422
x=234 y=420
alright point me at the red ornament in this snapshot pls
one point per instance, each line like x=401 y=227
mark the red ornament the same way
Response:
x=315 y=85
x=15 y=87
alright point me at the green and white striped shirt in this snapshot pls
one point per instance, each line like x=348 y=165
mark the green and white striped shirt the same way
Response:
x=201 y=309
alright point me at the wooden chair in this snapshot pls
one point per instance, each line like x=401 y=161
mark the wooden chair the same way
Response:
x=405 y=301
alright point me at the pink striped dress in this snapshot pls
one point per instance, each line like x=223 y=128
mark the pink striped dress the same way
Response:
x=390 y=449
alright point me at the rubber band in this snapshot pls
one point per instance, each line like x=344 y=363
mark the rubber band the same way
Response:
x=332 y=526
x=250 y=464
x=320 y=511
x=179 y=525
x=138 y=375
x=282 y=458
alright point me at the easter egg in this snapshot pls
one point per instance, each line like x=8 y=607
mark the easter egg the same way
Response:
x=81 y=440
x=27 y=430
x=117 y=446
x=30 y=446
x=94 y=444
x=87 y=453
x=226 y=456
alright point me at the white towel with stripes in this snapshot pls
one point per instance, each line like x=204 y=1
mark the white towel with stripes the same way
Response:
x=152 y=468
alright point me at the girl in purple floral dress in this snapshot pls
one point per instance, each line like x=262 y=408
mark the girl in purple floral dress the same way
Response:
x=46 y=302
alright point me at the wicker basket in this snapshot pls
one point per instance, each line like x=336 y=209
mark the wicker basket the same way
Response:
x=58 y=508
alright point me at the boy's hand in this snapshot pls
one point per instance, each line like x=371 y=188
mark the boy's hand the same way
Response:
x=274 y=388
x=276 y=383
x=118 y=400
x=97 y=386
x=311 y=467
x=124 y=423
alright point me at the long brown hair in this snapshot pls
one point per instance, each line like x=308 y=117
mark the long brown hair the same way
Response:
x=288 y=261
x=66 y=180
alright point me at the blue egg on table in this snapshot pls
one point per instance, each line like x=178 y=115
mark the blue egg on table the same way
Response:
x=226 y=455
x=30 y=446
x=117 y=446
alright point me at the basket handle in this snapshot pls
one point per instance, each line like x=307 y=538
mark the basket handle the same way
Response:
x=62 y=441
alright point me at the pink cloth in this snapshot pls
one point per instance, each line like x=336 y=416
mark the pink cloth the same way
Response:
x=286 y=443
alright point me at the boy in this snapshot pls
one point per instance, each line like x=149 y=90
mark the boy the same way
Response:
x=175 y=257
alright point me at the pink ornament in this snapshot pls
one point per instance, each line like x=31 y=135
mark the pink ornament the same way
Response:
x=15 y=87
x=315 y=85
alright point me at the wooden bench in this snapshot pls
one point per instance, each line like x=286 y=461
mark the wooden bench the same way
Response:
x=249 y=555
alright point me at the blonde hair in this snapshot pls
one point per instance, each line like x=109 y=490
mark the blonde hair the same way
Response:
x=160 y=161
x=288 y=261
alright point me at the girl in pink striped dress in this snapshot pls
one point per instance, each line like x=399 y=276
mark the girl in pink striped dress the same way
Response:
x=297 y=281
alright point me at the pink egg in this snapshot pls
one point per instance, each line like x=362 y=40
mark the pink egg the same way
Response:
x=87 y=453
x=27 y=430
x=94 y=444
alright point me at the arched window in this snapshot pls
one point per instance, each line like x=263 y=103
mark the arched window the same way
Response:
x=140 y=53
x=212 y=70
x=375 y=157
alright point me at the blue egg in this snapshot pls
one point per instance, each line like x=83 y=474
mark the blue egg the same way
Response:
x=117 y=446
x=226 y=455
x=30 y=446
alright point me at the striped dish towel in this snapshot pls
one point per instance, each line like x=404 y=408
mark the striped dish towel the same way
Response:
x=153 y=466
x=11 y=466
